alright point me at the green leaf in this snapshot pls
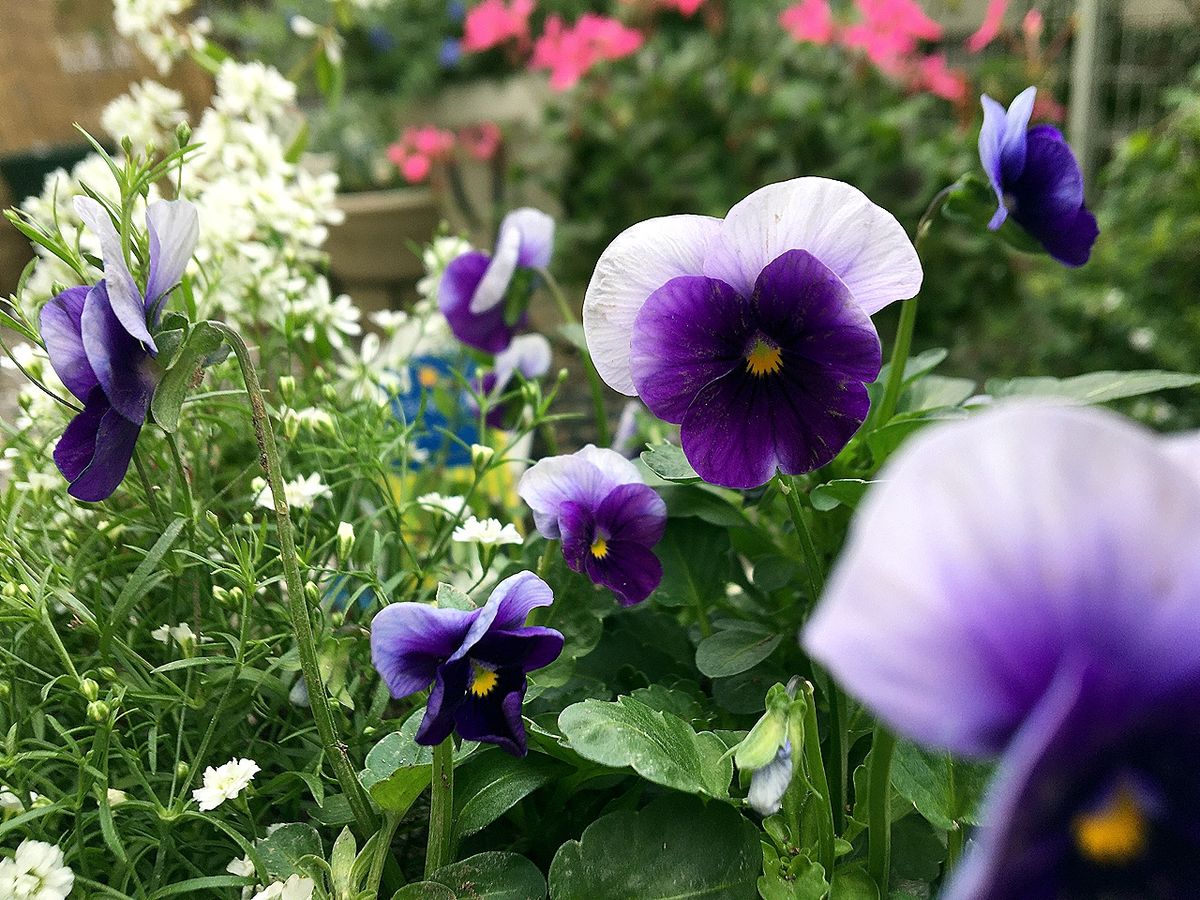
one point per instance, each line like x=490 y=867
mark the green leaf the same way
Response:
x=944 y=790
x=207 y=883
x=676 y=847
x=398 y=769
x=735 y=650
x=283 y=848
x=853 y=883
x=1095 y=387
x=143 y=577
x=797 y=878
x=934 y=391
x=839 y=492
x=202 y=341
x=485 y=876
x=668 y=463
x=696 y=563
x=702 y=503
x=658 y=746
x=493 y=782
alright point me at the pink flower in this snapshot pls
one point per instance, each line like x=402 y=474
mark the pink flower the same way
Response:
x=493 y=23
x=1032 y=25
x=482 y=140
x=904 y=16
x=1047 y=109
x=889 y=32
x=687 y=7
x=418 y=149
x=570 y=52
x=993 y=18
x=933 y=75
x=809 y=20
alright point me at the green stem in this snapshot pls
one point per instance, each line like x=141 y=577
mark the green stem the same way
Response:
x=879 y=808
x=298 y=607
x=441 y=807
x=816 y=777
x=814 y=569
x=150 y=498
x=839 y=747
x=547 y=559
x=603 y=437
x=955 y=839
x=383 y=847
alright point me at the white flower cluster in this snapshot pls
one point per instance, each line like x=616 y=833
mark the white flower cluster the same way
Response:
x=300 y=493
x=225 y=782
x=154 y=26
x=36 y=872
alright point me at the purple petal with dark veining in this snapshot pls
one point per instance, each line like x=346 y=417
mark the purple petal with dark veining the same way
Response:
x=486 y=331
x=116 y=438
x=62 y=333
x=633 y=512
x=496 y=717
x=450 y=684
x=410 y=640
x=629 y=570
x=126 y=372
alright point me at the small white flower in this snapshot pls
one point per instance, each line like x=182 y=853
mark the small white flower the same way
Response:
x=36 y=872
x=243 y=867
x=389 y=319
x=1142 y=339
x=116 y=797
x=315 y=419
x=10 y=802
x=300 y=493
x=295 y=888
x=180 y=634
x=489 y=532
x=345 y=539
x=302 y=26
x=36 y=482
x=453 y=506
x=224 y=782
x=162 y=633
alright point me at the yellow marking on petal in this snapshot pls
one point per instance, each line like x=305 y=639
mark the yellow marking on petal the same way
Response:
x=764 y=359
x=1114 y=834
x=428 y=376
x=483 y=681
x=600 y=548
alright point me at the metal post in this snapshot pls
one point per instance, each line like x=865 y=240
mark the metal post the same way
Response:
x=1087 y=57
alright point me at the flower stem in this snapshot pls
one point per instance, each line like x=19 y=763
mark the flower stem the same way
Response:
x=383 y=847
x=814 y=569
x=603 y=438
x=298 y=607
x=816 y=777
x=441 y=807
x=145 y=479
x=879 y=808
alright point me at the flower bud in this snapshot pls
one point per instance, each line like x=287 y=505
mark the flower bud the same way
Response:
x=287 y=388
x=481 y=456
x=330 y=393
x=182 y=770
x=220 y=595
x=5 y=690
x=116 y=797
x=89 y=688
x=183 y=134
x=236 y=594
x=312 y=593
x=212 y=518
x=98 y=711
x=345 y=540
x=291 y=424
x=108 y=673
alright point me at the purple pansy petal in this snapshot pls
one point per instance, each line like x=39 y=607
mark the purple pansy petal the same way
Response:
x=638 y=262
x=1013 y=144
x=126 y=299
x=496 y=717
x=515 y=598
x=1048 y=199
x=981 y=557
x=77 y=446
x=527 y=648
x=487 y=332
x=585 y=477
x=629 y=570
x=690 y=331
x=450 y=684
x=116 y=438
x=770 y=783
x=633 y=512
x=1185 y=450
x=62 y=334
x=126 y=372
x=862 y=243
x=577 y=524
x=991 y=142
x=174 y=228
x=410 y=640
x=528 y=354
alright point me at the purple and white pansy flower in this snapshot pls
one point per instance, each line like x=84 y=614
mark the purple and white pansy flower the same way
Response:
x=99 y=342
x=607 y=518
x=474 y=294
x=753 y=332
x=529 y=355
x=1044 y=606
x=477 y=661
x=1036 y=179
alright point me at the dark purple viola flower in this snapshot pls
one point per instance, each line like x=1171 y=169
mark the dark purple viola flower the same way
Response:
x=100 y=359
x=1036 y=179
x=1044 y=606
x=753 y=332
x=477 y=661
x=528 y=354
x=474 y=291
x=607 y=518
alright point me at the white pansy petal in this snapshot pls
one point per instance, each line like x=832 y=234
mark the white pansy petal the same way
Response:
x=123 y=292
x=537 y=236
x=862 y=243
x=174 y=227
x=499 y=272
x=638 y=262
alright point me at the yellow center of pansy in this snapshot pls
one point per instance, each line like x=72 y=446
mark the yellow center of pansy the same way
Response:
x=483 y=681
x=764 y=359
x=599 y=548
x=428 y=376
x=1115 y=833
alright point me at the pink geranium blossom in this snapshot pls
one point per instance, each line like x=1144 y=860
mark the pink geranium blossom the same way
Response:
x=809 y=20
x=494 y=22
x=569 y=52
x=481 y=141
x=418 y=149
x=933 y=75
x=993 y=18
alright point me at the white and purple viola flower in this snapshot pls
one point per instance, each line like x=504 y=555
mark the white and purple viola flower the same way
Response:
x=528 y=354
x=477 y=661
x=1036 y=179
x=475 y=290
x=606 y=516
x=753 y=332
x=1044 y=605
x=99 y=342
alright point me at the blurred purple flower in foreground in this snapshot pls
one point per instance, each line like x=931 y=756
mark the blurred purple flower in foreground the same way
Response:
x=474 y=295
x=477 y=661
x=607 y=518
x=1036 y=179
x=1027 y=583
x=753 y=332
x=528 y=354
x=100 y=346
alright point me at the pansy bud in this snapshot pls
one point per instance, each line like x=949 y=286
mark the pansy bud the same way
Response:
x=98 y=711
x=345 y=540
x=89 y=688
x=769 y=733
x=481 y=456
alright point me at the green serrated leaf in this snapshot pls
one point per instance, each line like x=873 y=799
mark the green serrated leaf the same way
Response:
x=493 y=782
x=282 y=850
x=943 y=789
